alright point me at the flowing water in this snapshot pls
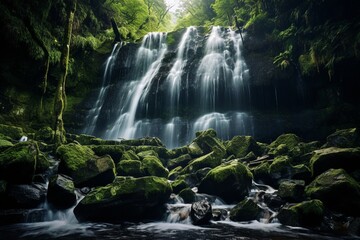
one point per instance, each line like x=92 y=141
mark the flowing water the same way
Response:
x=204 y=86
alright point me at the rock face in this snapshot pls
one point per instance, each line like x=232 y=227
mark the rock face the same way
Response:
x=201 y=212
x=246 y=210
x=324 y=159
x=126 y=199
x=84 y=167
x=337 y=190
x=304 y=214
x=61 y=191
x=230 y=182
x=18 y=163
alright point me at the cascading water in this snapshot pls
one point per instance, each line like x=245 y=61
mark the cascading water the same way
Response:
x=172 y=94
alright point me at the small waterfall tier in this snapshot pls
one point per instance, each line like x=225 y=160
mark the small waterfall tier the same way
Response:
x=171 y=86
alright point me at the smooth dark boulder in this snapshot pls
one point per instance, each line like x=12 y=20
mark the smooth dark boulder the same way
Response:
x=201 y=212
x=84 y=167
x=13 y=216
x=231 y=182
x=126 y=199
x=246 y=210
x=337 y=190
x=304 y=214
x=61 y=191
x=24 y=196
x=18 y=163
x=187 y=195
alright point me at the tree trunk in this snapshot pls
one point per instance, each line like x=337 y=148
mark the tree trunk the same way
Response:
x=116 y=31
x=59 y=103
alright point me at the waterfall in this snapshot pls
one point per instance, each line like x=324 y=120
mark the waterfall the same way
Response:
x=172 y=92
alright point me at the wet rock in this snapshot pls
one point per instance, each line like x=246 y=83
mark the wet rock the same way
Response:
x=345 y=138
x=305 y=214
x=129 y=168
x=240 y=146
x=182 y=161
x=292 y=190
x=61 y=191
x=115 y=151
x=201 y=212
x=246 y=210
x=84 y=167
x=11 y=131
x=25 y=196
x=337 y=190
x=230 y=182
x=219 y=214
x=187 y=195
x=18 y=163
x=324 y=159
x=126 y=199
x=179 y=185
x=152 y=166
x=13 y=216
x=39 y=178
x=273 y=201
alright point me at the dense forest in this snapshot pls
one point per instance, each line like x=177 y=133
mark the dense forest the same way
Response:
x=199 y=119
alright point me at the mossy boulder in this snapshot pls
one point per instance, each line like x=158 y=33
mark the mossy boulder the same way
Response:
x=129 y=168
x=240 y=146
x=162 y=152
x=115 y=151
x=212 y=159
x=187 y=195
x=174 y=173
x=147 y=153
x=182 y=161
x=61 y=191
x=290 y=140
x=130 y=155
x=84 y=167
x=261 y=172
x=324 y=159
x=42 y=163
x=345 y=138
x=147 y=141
x=305 y=214
x=178 y=185
x=177 y=152
x=11 y=131
x=207 y=141
x=230 y=182
x=337 y=190
x=282 y=168
x=18 y=163
x=45 y=134
x=292 y=190
x=152 y=166
x=126 y=199
x=246 y=210
x=195 y=150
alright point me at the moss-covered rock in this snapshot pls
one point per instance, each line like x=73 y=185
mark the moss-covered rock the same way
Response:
x=305 y=214
x=230 y=182
x=18 y=163
x=42 y=163
x=280 y=168
x=292 y=190
x=207 y=141
x=129 y=168
x=324 y=159
x=175 y=173
x=187 y=195
x=147 y=153
x=337 y=190
x=147 y=141
x=152 y=166
x=345 y=138
x=182 y=161
x=11 y=131
x=290 y=140
x=45 y=134
x=162 y=152
x=126 y=199
x=177 y=152
x=84 y=167
x=211 y=160
x=115 y=151
x=195 y=150
x=261 y=172
x=178 y=185
x=130 y=155
x=246 y=210
x=61 y=191
x=240 y=146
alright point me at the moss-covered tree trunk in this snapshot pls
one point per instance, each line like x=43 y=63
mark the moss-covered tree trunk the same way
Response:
x=59 y=104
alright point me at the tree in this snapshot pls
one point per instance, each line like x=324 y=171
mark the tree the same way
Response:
x=60 y=97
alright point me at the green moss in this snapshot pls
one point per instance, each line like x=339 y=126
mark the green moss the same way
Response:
x=147 y=153
x=180 y=161
x=130 y=155
x=280 y=165
x=175 y=172
x=161 y=151
x=211 y=160
x=115 y=151
x=11 y=131
x=18 y=163
x=195 y=150
x=152 y=166
x=45 y=134
x=4 y=144
x=74 y=155
x=261 y=172
x=240 y=146
x=290 y=140
x=177 y=152
x=129 y=168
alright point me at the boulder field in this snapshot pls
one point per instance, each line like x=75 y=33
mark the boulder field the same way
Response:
x=314 y=183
